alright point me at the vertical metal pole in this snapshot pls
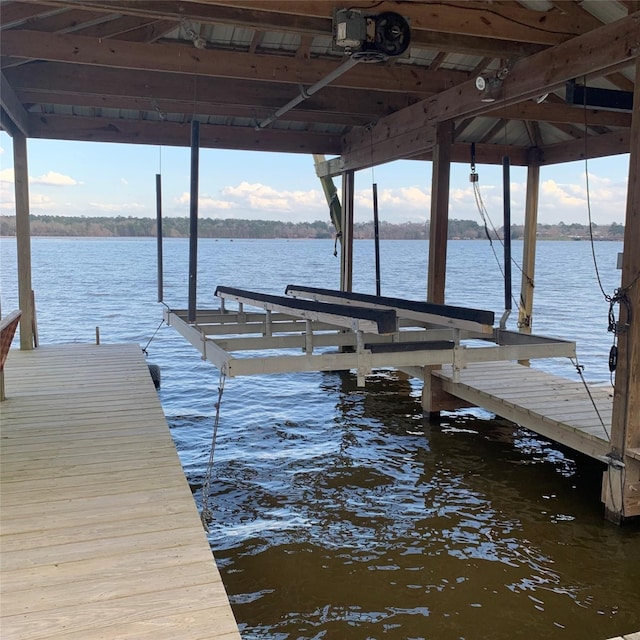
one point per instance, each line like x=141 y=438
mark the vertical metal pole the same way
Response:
x=159 y=233
x=376 y=236
x=506 y=194
x=193 y=220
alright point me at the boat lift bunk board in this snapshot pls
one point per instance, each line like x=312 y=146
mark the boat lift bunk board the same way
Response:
x=328 y=330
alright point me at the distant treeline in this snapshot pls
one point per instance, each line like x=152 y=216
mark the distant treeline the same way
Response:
x=45 y=225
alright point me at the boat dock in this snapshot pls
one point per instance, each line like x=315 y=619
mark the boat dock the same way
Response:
x=100 y=534
x=462 y=358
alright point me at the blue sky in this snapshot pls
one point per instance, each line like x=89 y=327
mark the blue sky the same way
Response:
x=100 y=179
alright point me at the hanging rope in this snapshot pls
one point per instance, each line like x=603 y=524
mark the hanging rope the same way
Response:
x=580 y=369
x=474 y=178
x=206 y=515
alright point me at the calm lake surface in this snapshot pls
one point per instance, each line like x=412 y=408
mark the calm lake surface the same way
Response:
x=340 y=513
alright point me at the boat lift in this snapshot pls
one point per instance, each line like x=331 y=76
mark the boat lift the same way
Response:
x=311 y=329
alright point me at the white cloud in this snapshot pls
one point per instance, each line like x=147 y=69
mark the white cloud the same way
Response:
x=50 y=179
x=259 y=201
x=206 y=203
x=7 y=199
x=260 y=197
x=116 y=208
x=54 y=179
x=124 y=181
x=38 y=201
x=570 y=202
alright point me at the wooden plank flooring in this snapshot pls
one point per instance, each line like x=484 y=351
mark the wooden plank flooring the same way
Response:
x=100 y=537
x=555 y=407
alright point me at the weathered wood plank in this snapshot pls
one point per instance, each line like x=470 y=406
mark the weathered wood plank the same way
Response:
x=558 y=409
x=100 y=535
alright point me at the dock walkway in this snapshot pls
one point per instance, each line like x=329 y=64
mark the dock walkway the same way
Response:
x=100 y=536
x=555 y=407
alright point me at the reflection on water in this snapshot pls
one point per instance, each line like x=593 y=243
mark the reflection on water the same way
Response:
x=350 y=516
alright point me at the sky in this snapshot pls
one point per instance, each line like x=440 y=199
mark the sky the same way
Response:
x=103 y=179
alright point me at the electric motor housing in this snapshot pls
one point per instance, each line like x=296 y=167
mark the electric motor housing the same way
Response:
x=371 y=38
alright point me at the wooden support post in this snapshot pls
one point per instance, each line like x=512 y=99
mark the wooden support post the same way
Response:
x=621 y=488
x=23 y=239
x=438 y=229
x=525 y=308
x=438 y=233
x=346 y=264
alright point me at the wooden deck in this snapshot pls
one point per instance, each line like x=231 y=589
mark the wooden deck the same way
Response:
x=555 y=407
x=100 y=536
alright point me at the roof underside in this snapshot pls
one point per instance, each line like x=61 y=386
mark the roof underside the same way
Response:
x=139 y=71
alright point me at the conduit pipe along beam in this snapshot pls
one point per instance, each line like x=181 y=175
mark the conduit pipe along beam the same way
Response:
x=349 y=63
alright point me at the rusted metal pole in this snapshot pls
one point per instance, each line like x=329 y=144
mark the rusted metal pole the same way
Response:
x=159 y=234
x=506 y=194
x=376 y=236
x=193 y=220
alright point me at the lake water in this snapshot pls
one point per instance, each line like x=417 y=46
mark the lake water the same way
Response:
x=340 y=513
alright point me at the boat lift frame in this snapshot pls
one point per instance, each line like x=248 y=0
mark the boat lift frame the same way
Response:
x=328 y=330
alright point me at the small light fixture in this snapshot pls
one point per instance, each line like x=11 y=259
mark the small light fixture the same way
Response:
x=489 y=88
x=198 y=42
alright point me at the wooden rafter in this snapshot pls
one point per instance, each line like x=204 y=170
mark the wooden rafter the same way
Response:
x=187 y=59
x=12 y=106
x=67 y=80
x=174 y=134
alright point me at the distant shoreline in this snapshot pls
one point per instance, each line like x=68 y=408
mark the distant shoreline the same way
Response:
x=237 y=229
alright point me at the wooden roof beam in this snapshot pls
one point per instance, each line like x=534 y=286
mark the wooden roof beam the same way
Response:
x=66 y=21
x=512 y=24
x=215 y=63
x=13 y=107
x=177 y=134
x=65 y=80
x=207 y=13
x=505 y=21
x=412 y=131
x=170 y=105
x=609 y=144
x=15 y=14
x=252 y=16
x=561 y=113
